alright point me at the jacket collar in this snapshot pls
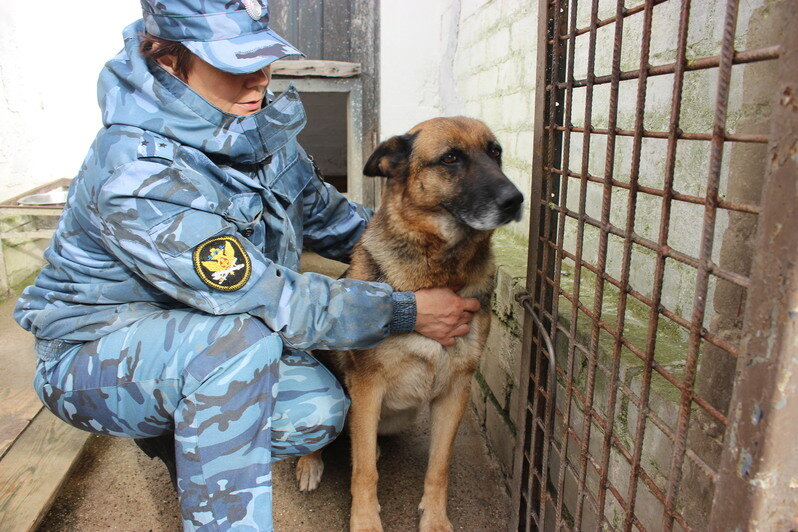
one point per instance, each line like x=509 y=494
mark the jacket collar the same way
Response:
x=136 y=93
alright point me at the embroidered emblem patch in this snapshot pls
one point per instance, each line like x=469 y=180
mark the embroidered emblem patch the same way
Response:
x=222 y=263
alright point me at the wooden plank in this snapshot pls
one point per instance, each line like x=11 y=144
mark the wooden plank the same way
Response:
x=58 y=183
x=32 y=210
x=336 y=45
x=315 y=68
x=18 y=402
x=35 y=467
x=283 y=20
x=365 y=37
x=20 y=406
x=5 y=287
x=28 y=235
x=309 y=28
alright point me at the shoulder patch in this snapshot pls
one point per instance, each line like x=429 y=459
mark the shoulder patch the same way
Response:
x=222 y=263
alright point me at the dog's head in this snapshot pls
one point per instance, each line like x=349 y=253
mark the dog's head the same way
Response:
x=452 y=164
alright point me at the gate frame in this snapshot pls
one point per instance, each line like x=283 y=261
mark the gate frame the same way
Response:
x=758 y=473
x=539 y=149
x=758 y=484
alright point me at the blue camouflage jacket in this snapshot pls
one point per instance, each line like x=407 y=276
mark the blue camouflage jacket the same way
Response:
x=178 y=204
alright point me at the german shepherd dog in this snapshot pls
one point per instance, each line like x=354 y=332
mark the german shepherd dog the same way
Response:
x=445 y=194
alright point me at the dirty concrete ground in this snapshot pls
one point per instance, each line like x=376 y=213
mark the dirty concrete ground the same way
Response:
x=117 y=487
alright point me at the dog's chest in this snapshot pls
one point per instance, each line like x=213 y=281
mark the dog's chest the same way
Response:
x=417 y=369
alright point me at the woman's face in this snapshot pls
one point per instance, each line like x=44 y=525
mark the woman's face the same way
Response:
x=238 y=94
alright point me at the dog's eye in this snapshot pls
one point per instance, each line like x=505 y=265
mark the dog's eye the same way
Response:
x=495 y=152
x=449 y=158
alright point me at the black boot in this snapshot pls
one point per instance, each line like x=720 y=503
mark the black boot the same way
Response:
x=162 y=447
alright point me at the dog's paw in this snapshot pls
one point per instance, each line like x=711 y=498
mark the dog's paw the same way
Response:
x=435 y=525
x=433 y=521
x=308 y=471
x=365 y=524
x=365 y=517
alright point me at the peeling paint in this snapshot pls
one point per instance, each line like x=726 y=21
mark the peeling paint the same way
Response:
x=765 y=482
x=744 y=463
x=757 y=415
x=781 y=404
x=785 y=379
x=788 y=99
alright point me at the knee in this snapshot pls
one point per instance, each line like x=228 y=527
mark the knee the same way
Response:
x=334 y=412
x=325 y=422
x=310 y=412
x=237 y=345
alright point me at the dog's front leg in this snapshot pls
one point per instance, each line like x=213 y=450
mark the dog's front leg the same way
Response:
x=364 y=417
x=446 y=411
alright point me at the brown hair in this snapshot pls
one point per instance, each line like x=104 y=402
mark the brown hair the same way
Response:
x=154 y=48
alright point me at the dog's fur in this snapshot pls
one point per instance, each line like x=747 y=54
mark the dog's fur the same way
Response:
x=445 y=193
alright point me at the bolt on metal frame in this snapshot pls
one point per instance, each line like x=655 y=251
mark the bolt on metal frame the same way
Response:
x=541 y=486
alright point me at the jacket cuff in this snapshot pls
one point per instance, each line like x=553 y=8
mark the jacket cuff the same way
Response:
x=404 y=312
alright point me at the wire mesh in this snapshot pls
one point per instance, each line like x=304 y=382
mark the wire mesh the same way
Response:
x=635 y=191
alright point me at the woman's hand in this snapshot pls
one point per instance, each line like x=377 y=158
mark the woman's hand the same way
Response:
x=443 y=315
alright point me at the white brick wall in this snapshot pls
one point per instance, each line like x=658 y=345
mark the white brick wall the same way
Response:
x=498 y=38
x=492 y=72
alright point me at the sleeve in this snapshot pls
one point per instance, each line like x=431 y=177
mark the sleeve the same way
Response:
x=150 y=223
x=333 y=224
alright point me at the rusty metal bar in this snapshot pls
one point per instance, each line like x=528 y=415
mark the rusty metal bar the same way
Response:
x=722 y=204
x=659 y=271
x=662 y=249
x=647 y=480
x=602 y=422
x=759 y=465
x=569 y=76
x=551 y=186
x=658 y=422
x=522 y=470
x=705 y=254
x=738 y=476
x=598 y=298
x=703 y=63
x=609 y=20
x=708 y=336
x=551 y=301
x=550 y=393
x=549 y=261
x=711 y=410
x=580 y=235
x=630 y=216
x=731 y=137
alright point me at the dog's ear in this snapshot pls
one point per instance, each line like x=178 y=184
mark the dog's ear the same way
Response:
x=390 y=159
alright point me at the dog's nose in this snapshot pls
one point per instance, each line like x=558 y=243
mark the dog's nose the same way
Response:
x=509 y=199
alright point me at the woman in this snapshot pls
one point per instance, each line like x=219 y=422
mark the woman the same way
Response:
x=171 y=302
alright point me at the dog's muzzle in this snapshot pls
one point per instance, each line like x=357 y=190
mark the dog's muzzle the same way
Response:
x=509 y=201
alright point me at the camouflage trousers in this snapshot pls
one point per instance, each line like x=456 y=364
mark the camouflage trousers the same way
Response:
x=234 y=398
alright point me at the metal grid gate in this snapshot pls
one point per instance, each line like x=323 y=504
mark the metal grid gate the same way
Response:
x=574 y=470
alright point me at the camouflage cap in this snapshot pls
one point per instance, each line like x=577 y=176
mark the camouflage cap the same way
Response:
x=232 y=35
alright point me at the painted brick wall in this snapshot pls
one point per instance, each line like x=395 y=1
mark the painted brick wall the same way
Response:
x=494 y=75
x=470 y=57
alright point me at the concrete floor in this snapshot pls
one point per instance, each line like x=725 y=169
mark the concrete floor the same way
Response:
x=117 y=487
